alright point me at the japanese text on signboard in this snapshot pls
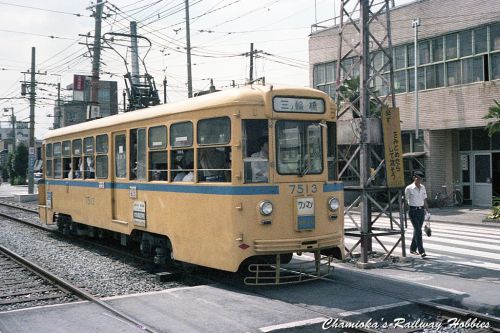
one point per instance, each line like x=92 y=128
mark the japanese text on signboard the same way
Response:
x=393 y=147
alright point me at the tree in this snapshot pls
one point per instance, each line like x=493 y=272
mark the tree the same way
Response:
x=350 y=93
x=493 y=114
x=18 y=165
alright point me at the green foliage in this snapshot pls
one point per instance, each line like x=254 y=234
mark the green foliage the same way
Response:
x=495 y=209
x=17 y=164
x=5 y=173
x=349 y=93
x=493 y=114
x=19 y=180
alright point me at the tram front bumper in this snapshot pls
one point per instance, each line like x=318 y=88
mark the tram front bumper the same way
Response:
x=270 y=246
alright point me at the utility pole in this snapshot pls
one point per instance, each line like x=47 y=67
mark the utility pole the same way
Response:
x=188 y=52
x=57 y=115
x=31 y=156
x=415 y=24
x=93 y=108
x=251 y=55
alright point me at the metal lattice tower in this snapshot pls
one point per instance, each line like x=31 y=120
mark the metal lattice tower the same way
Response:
x=364 y=87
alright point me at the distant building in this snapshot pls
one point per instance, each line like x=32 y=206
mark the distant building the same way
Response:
x=458 y=79
x=75 y=111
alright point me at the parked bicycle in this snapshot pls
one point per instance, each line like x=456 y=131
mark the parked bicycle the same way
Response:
x=455 y=198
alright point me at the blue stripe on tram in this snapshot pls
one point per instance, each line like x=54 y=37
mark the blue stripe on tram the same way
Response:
x=333 y=187
x=196 y=189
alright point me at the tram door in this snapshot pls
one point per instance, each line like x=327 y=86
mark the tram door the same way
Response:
x=119 y=174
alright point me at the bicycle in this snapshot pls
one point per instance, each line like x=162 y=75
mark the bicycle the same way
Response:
x=455 y=198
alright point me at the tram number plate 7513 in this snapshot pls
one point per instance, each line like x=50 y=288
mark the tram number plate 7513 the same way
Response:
x=303 y=188
x=305 y=206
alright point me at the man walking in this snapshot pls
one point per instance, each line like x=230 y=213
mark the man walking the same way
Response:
x=416 y=196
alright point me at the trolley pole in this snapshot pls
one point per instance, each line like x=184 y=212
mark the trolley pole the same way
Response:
x=31 y=156
x=165 y=90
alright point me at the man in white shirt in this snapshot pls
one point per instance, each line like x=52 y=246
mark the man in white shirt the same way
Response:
x=260 y=163
x=416 y=196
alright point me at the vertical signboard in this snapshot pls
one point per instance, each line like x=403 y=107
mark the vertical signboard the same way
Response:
x=393 y=147
x=78 y=87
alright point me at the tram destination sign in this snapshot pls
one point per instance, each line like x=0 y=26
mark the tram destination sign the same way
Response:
x=298 y=104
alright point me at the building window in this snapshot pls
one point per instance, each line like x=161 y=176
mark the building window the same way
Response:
x=453 y=73
x=399 y=81
x=424 y=52
x=480 y=40
x=399 y=57
x=451 y=46
x=495 y=66
x=495 y=36
x=437 y=49
x=410 y=55
x=465 y=43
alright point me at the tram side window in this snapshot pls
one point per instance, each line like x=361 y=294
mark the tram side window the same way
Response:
x=138 y=154
x=332 y=150
x=157 y=144
x=256 y=151
x=182 y=154
x=66 y=152
x=48 y=160
x=87 y=164
x=77 y=157
x=214 y=162
x=120 y=156
x=101 y=159
x=57 y=160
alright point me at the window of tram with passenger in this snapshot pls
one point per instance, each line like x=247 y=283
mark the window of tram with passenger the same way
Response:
x=256 y=151
x=182 y=153
x=214 y=152
x=157 y=145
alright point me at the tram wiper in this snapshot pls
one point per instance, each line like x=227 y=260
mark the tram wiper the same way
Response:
x=306 y=169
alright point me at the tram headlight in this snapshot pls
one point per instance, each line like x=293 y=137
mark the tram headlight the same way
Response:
x=333 y=204
x=265 y=207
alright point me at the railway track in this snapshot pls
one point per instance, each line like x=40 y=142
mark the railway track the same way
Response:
x=24 y=282
x=427 y=316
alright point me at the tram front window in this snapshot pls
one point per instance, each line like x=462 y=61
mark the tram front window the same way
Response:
x=299 y=148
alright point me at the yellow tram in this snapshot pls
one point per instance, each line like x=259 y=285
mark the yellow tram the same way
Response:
x=218 y=180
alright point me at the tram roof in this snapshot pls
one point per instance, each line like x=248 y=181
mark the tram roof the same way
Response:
x=249 y=95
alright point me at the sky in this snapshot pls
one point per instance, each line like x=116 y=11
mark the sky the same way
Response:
x=221 y=33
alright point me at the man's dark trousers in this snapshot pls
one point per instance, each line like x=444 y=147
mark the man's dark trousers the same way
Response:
x=417 y=220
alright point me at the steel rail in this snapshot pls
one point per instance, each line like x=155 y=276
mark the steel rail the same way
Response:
x=74 y=289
